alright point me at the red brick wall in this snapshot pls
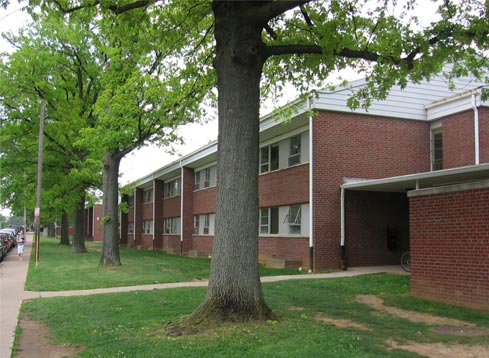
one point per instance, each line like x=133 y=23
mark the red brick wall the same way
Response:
x=188 y=209
x=450 y=247
x=202 y=243
x=147 y=241
x=284 y=187
x=171 y=242
x=367 y=216
x=288 y=248
x=171 y=207
x=147 y=211
x=138 y=224
x=358 y=146
x=484 y=134
x=458 y=140
x=204 y=201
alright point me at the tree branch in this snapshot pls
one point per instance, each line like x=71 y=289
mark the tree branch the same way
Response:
x=273 y=9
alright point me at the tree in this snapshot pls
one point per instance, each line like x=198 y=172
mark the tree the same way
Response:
x=53 y=62
x=303 y=42
x=146 y=94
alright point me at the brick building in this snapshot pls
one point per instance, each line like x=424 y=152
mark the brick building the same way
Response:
x=350 y=188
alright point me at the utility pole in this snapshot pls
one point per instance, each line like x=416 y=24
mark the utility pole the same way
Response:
x=37 y=212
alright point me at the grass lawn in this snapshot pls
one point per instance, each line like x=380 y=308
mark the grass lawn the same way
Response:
x=59 y=270
x=131 y=324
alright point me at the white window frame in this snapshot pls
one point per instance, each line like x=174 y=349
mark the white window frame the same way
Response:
x=196 y=224
x=207 y=177
x=197 y=181
x=436 y=163
x=293 y=219
x=147 y=227
x=266 y=221
x=171 y=226
x=148 y=196
x=206 y=228
x=172 y=188
x=266 y=165
x=295 y=150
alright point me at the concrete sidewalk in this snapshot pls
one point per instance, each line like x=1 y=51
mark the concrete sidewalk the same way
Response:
x=13 y=275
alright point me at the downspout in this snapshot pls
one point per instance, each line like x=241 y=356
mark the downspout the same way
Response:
x=134 y=220
x=342 y=233
x=181 y=209
x=311 y=188
x=154 y=211
x=476 y=129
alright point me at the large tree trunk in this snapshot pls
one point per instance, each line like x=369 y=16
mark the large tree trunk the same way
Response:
x=79 y=228
x=110 y=225
x=235 y=291
x=65 y=229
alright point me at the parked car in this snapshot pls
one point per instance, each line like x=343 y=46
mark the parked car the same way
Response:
x=12 y=235
x=3 y=247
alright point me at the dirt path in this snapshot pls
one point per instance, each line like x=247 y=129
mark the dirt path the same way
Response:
x=35 y=342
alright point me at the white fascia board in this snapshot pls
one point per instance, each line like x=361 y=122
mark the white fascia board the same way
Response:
x=372 y=183
x=176 y=165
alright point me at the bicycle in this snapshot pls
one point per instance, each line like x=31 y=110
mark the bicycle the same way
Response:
x=406 y=261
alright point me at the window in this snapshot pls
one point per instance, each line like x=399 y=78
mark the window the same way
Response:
x=196 y=224
x=171 y=226
x=293 y=219
x=207 y=181
x=204 y=178
x=148 y=196
x=172 y=188
x=206 y=224
x=130 y=228
x=130 y=201
x=268 y=221
x=147 y=226
x=295 y=150
x=437 y=150
x=269 y=158
x=197 y=181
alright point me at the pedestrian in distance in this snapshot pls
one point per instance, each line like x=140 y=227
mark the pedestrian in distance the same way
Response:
x=20 y=244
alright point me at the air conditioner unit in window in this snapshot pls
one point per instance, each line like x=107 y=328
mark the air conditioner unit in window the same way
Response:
x=206 y=231
x=207 y=184
x=197 y=186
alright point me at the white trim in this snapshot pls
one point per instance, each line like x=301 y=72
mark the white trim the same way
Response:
x=476 y=129
x=311 y=175
x=454 y=188
x=284 y=136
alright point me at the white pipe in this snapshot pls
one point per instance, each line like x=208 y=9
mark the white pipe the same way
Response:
x=181 y=207
x=154 y=209
x=342 y=220
x=311 y=188
x=134 y=217
x=476 y=129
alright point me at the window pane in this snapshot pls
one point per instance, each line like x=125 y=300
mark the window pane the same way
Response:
x=274 y=220
x=274 y=157
x=264 y=159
